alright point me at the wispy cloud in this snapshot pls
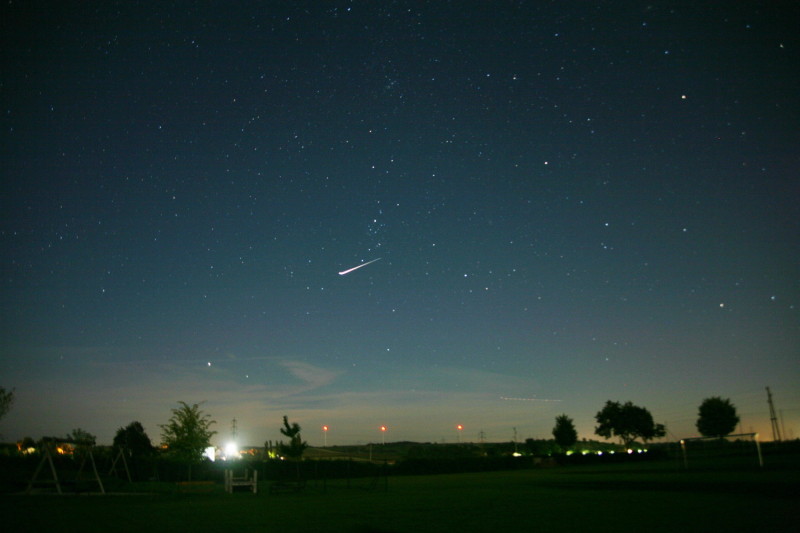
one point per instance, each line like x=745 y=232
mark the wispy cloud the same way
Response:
x=312 y=377
x=416 y=401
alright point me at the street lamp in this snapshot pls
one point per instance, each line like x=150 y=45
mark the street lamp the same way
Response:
x=325 y=434
x=459 y=427
x=383 y=434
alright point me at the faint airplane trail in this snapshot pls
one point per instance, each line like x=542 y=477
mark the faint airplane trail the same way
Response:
x=528 y=399
x=343 y=272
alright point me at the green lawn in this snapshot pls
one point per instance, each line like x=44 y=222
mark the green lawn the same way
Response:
x=562 y=499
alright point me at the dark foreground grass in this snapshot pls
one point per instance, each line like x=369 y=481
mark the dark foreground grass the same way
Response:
x=564 y=499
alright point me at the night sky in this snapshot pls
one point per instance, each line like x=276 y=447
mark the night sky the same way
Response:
x=570 y=203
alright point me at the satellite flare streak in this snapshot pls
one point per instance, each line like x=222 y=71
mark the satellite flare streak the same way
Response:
x=344 y=272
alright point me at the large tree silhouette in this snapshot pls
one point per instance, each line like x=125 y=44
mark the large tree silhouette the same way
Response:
x=134 y=440
x=136 y=445
x=627 y=422
x=716 y=417
x=564 y=432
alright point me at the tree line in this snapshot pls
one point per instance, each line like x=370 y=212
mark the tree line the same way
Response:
x=717 y=417
x=188 y=432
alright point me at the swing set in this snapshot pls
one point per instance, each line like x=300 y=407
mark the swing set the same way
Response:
x=52 y=445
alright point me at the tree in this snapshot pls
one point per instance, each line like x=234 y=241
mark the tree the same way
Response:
x=628 y=422
x=134 y=440
x=81 y=437
x=6 y=401
x=716 y=417
x=81 y=440
x=187 y=434
x=26 y=445
x=135 y=444
x=296 y=446
x=564 y=432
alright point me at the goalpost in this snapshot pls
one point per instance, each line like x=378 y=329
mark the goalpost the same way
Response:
x=730 y=450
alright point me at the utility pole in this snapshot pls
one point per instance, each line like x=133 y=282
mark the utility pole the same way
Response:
x=776 y=429
x=515 y=440
x=233 y=430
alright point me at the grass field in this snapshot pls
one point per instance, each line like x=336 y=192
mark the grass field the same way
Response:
x=562 y=499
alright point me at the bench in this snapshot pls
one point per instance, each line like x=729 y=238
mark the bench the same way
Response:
x=249 y=480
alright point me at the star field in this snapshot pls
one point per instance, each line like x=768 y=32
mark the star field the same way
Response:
x=570 y=203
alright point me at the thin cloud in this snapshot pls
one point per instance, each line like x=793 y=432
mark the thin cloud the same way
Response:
x=312 y=377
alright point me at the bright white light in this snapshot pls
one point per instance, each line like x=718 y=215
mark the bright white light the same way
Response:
x=210 y=452
x=231 y=451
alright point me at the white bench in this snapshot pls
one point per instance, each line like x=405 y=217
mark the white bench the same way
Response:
x=249 y=479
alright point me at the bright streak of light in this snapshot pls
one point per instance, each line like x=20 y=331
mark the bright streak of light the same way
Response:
x=344 y=272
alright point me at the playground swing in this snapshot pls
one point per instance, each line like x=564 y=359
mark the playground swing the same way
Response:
x=47 y=457
x=113 y=469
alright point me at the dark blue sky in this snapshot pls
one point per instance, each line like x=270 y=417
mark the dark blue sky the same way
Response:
x=570 y=203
